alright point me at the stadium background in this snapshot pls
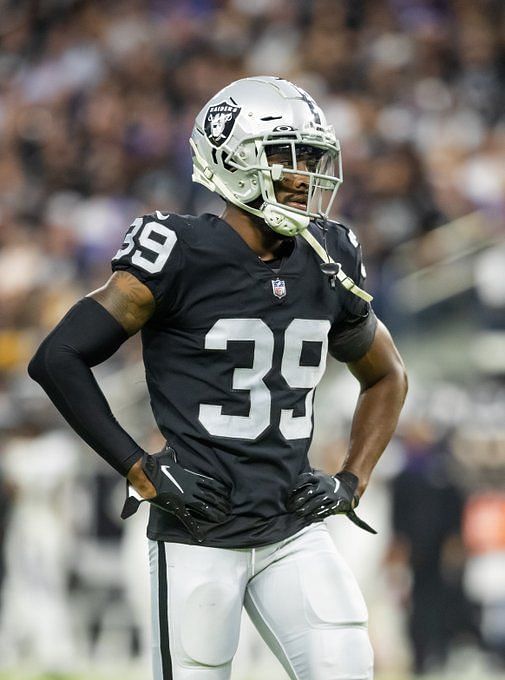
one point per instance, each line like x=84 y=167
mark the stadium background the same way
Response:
x=97 y=100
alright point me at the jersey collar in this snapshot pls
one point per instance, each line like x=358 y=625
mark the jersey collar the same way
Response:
x=292 y=265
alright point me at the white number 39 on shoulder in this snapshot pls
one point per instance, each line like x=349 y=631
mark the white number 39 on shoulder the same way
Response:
x=151 y=244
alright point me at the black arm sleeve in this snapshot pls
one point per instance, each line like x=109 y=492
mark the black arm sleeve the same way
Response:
x=85 y=337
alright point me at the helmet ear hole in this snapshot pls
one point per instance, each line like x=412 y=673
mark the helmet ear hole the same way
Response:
x=222 y=160
x=226 y=165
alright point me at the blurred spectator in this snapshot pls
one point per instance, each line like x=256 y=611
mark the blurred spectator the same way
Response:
x=426 y=518
x=484 y=534
x=480 y=447
x=35 y=625
x=5 y=503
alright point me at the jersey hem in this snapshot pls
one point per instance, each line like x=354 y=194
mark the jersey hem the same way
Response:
x=167 y=537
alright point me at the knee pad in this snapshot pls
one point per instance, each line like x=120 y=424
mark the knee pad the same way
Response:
x=346 y=655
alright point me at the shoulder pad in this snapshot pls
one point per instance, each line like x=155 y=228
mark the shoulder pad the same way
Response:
x=160 y=216
x=182 y=225
x=171 y=220
x=340 y=229
x=339 y=237
x=341 y=245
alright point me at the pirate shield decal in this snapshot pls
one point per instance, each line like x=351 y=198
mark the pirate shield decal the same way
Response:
x=219 y=122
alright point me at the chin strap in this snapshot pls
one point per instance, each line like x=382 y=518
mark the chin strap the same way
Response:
x=334 y=269
x=283 y=221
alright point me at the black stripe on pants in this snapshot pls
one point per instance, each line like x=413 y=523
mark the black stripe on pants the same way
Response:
x=166 y=661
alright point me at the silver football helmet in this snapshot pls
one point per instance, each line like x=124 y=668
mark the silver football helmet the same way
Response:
x=246 y=123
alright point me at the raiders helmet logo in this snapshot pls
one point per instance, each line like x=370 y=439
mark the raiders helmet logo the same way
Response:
x=219 y=122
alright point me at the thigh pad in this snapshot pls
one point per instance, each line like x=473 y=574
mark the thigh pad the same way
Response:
x=210 y=623
x=330 y=592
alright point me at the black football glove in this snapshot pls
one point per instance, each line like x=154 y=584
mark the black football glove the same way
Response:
x=318 y=495
x=190 y=496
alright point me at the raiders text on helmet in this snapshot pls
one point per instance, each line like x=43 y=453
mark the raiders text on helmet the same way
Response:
x=241 y=126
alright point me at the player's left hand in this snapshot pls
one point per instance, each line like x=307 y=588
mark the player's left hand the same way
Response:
x=318 y=495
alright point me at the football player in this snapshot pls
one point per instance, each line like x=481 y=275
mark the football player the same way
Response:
x=237 y=315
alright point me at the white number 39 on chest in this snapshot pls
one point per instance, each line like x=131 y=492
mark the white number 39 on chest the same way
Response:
x=252 y=379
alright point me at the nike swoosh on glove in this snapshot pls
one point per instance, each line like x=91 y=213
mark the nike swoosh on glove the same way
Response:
x=187 y=495
x=318 y=495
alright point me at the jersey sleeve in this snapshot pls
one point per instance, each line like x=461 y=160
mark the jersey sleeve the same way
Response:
x=353 y=331
x=152 y=252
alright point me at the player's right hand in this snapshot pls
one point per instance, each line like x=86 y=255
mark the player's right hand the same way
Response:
x=187 y=495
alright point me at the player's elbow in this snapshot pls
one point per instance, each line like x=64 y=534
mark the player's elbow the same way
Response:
x=405 y=380
x=52 y=362
x=40 y=366
x=402 y=379
x=393 y=381
x=35 y=367
x=392 y=366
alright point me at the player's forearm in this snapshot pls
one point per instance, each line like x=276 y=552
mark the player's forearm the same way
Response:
x=374 y=423
x=62 y=366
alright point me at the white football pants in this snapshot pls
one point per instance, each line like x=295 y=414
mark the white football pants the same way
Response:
x=299 y=593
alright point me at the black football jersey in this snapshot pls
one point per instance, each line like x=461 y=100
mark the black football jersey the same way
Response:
x=233 y=354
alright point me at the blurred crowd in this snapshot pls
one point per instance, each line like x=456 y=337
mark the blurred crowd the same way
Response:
x=97 y=101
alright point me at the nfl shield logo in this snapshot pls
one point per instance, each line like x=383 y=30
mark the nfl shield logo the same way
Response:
x=279 y=288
